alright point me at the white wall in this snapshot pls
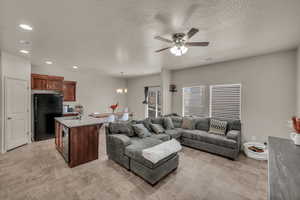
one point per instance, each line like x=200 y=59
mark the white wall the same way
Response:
x=268 y=90
x=14 y=67
x=94 y=91
x=136 y=93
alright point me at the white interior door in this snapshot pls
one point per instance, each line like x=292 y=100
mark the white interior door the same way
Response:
x=17 y=116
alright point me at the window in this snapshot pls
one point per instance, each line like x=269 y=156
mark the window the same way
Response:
x=154 y=102
x=225 y=101
x=195 y=101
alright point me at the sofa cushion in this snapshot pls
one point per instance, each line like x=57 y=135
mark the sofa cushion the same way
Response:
x=174 y=133
x=158 y=120
x=141 y=130
x=234 y=125
x=233 y=134
x=157 y=128
x=188 y=123
x=121 y=128
x=121 y=139
x=177 y=121
x=209 y=138
x=163 y=136
x=217 y=127
x=168 y=123
x=146 y=123
x=134 y=150
x=202 y=124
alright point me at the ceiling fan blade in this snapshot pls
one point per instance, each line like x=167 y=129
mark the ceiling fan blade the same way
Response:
x=192 y=32
x=162 y=49
x=191 y=44
x=163 y=39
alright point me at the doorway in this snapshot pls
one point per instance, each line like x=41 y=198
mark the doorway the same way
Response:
x=154 y=102
x=16 y=122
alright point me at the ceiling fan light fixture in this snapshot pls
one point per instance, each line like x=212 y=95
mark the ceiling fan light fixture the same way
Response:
x=178 y=50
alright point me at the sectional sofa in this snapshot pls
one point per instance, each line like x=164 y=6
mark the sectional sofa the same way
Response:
x=126 y=149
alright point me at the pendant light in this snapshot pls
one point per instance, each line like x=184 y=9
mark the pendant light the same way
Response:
x=122 y=90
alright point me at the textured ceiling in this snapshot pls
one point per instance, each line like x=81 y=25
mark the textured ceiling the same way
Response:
x=117 y=35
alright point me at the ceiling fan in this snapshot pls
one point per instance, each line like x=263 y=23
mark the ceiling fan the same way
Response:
x=180 y=42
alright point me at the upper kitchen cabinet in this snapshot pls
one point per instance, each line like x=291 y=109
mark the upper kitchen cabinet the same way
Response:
x=55 y=83
x=45 y=82
x=69 y=89
x=39 y=82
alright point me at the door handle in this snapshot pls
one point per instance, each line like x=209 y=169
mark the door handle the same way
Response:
x=9 y=118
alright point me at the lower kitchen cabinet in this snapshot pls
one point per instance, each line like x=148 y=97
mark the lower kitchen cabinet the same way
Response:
x=77 y=145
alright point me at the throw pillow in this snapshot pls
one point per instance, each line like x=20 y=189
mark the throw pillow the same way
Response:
x=147 y=123
x=168 y=123
x=157 y=128
x=141 y=130
x=188 y=123
x=177 y=121
x=217 y=127
x=158 y=120
x=202 y=124
x=121 y=128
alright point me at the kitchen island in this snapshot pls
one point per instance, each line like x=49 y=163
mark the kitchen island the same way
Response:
x=76 y=139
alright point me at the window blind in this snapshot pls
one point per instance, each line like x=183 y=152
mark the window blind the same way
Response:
x=194 y=101
x=225 y=101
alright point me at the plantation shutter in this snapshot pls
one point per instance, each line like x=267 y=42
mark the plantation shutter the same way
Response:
x=194 y=101
x=225 y=101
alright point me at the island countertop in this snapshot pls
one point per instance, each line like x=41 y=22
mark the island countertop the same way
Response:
x=72 y=122
x=283 y=169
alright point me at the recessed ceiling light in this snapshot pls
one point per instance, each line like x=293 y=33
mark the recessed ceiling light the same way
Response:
x=26 y=27
x=75 y=67
x=48 y=62
x=24 y=51
x=24 y=42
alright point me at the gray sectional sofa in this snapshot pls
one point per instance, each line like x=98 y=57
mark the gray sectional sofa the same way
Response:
x=126 y=149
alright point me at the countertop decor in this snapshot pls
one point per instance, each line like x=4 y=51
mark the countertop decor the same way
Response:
x=114 y=107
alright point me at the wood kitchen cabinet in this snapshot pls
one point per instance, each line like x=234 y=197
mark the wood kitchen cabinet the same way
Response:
x=39 y=82
x=77 y=145
x=45 y=82
x=69 y=89
x=58 y=137
x=71 y=114
x=55 y=83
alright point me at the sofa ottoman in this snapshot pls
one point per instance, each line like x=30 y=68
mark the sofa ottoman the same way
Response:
x=127 y=151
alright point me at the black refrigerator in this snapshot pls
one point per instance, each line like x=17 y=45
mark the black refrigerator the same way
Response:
x=46 y=108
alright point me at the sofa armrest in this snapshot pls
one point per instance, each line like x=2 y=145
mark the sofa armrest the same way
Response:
x=121 y=139
x=234 y=135
x=237 y=136
x=115 y=148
